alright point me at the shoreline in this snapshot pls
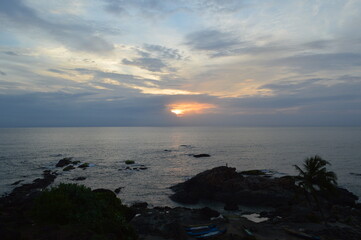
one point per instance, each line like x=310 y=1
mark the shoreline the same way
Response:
x=168 y=223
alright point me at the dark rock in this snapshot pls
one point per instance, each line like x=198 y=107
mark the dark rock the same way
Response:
x=252 y=172
x=117 y=190
x=23 y=195
x=224 y=183
x=341 y=196
x=139 y=205
x=208 y=213
x=83 y=166
x=201 y=155
x=167 y=150
x=68 y=168
x=185 y=197
x=335 y=232
x=203 y=185
x=63 y=162
x=356 y=174
x=231 y=206
x=75 y=162
x=17 y=182
x=143 y=168
x=129 y=161
x=79 y=178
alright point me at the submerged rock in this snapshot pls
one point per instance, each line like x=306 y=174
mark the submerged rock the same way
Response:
x=17 y=182
x=79 y=178
x=201 y=155
x=63 y=162
x=68 y=168
x=83 y=166
x=139 y=205
x=129 y=161
x=117 y=190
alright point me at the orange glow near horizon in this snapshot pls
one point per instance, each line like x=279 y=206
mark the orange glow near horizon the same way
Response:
x=181 y=109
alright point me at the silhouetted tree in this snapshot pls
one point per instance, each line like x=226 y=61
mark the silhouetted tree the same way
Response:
x=315 y=178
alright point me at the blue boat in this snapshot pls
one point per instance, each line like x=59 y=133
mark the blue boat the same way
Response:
x=202 y=231
x=199 y=227
x=213 y=233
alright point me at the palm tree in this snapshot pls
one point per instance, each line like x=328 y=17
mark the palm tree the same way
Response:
x=315 y=178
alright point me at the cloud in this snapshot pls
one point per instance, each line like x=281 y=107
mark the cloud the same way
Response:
x=58 y=71
x=151 y=64
x=154 y=58
x=318 y=44
x=2 y=73
x=319 y=62
x=115 y=7
x=216 y=6
x=153 y=9
x=123 y=78
x=73 y=36
x=11 y=53
x=164 y=52
x=211 y=40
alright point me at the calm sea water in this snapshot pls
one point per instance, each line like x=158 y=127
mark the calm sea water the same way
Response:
x=25 y=153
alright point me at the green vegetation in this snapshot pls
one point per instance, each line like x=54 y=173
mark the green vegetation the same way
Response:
x=71 y=204
x=314 y=178
x=129 y=162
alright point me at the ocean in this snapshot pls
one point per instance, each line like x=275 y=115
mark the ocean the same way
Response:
x=167 y=153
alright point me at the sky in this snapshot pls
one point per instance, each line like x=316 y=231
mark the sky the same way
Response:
x=180 y=63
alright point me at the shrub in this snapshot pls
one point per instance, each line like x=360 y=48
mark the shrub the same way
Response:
x=101 y=212
x=129 y=162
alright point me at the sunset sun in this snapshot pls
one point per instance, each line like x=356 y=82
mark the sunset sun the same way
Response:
x=177 y=112
x=180 y=109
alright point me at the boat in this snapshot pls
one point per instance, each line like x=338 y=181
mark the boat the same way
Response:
x=199 y=227
x=248 y=233
x=202 y=231
x=213 y=233
x=301 y=234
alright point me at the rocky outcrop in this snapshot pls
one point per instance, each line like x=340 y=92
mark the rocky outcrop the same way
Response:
x=225 y=185
x=22 y=196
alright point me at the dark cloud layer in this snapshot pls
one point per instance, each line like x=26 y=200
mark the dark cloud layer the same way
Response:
x=306 y=103
x=73 y=36
x=319 y=62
